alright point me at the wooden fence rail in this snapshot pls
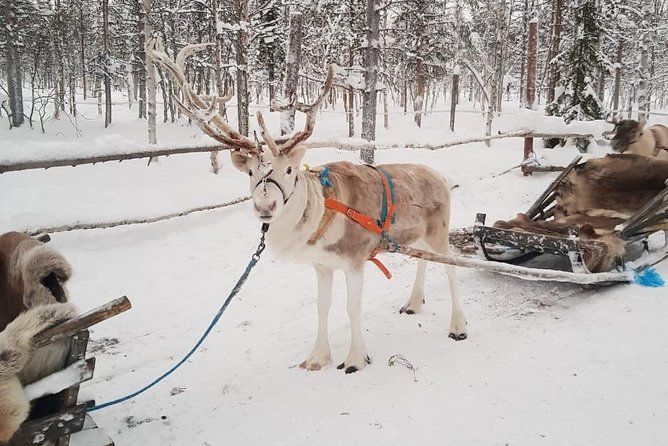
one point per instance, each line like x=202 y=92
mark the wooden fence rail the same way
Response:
x=47 y=163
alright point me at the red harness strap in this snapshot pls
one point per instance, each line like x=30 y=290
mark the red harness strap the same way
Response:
x=367 y=222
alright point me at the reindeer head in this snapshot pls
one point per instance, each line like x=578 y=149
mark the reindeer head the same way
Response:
x=273 y=172
x=272 y=168
x=627 y=133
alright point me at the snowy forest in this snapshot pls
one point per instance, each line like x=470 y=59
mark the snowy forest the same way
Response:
x=592 y=56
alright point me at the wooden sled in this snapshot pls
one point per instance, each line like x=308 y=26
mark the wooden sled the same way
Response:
x=522 y=247
x=57 y=394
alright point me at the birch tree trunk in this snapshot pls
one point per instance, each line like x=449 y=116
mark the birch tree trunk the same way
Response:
x=454 y=91
x=503 y=33
x=107 y=62
x=643 y=83
x=293 y=59
x=82 y=51
x=13 y=65
x=371 y=60
x=525 y=22
x=497 y=75
x=618 y=79
x=553 y=72
x=218 y=71
x=150 y=76
x=141 y=68
x=418 y=102
x=242 y=66
x=57 y=41
x=351 y=96
x=98 y=93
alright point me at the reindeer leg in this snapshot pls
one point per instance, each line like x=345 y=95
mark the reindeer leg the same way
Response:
x=320 y=356
x=439 y=243
x=457 y=318
x=357 y=357
x=416 y=300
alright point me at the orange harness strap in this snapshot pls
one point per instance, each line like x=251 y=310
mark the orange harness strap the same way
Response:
x=367 y=222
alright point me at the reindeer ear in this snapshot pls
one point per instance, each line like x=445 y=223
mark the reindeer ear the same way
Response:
x=642 y=121
x=239 y=160
x=296 y=154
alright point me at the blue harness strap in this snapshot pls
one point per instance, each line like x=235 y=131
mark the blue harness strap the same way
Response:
x=383 y=209
x=384 y=200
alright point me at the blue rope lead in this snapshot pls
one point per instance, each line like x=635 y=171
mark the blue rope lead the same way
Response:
x=235 y=291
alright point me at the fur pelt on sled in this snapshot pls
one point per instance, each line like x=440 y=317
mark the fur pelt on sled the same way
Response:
x=595 y=197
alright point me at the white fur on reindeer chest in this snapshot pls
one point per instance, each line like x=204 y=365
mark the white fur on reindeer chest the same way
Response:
x=288 y=235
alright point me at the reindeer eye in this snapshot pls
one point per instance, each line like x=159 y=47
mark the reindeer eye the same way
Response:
x=250 y=173
x=289 y=171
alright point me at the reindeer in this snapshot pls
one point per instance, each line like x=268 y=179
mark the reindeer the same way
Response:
x=32 y=298
x=302 y=225
x=632 y=137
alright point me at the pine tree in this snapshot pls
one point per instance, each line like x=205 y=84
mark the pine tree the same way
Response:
x=581 y=67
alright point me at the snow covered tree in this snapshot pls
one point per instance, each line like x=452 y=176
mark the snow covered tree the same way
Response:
x=576 y=98
x=13 y=62
x=423 y=30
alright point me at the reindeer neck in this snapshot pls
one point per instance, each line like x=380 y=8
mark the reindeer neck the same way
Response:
x=300 y=218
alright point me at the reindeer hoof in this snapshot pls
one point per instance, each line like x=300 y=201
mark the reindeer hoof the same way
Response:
x=403 y=310
x=457 y=337
x=310 y=366
x=353 y=368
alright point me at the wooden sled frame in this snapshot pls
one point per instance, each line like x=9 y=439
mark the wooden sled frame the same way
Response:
x=70 y=418
x=493 y=244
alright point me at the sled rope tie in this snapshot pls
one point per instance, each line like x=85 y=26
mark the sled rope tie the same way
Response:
x=237 y=287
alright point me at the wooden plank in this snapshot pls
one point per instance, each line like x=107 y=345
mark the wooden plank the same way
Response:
x=69 y=396
x=525 y=240
x=82 y=322
x=73 y=375
x=531 y=169
x=533 y=210
x=50 y=428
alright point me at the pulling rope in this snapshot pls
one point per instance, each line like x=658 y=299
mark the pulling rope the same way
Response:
x=234 y=292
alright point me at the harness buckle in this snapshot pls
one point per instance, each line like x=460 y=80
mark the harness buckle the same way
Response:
x=351 y=213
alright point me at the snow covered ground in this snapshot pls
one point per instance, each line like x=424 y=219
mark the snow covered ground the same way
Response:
x=544 y=364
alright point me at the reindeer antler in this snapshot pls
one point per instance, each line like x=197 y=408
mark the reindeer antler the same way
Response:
x=196 y=107
x=309 y=110
x=610 y=118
